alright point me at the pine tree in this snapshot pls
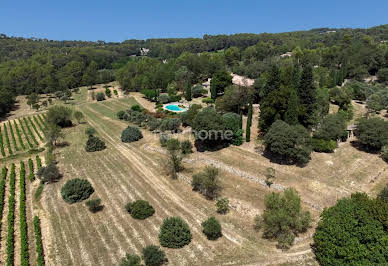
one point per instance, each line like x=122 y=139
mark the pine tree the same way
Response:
x=249 y=123
x=307 y=96
x=188 y=91
x=273 y=82
x=291 y=115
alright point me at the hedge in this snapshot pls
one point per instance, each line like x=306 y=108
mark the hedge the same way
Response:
x=38 y=240
x=31 y=175
x=7 y=139
x=11 y=218
x=30 y=131
x=35 y=129
x=23 y=217
x=19 y=135
x=25 y=134
x=13 y=136
x=2 y=144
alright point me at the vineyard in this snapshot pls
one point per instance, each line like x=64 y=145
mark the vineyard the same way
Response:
x=21 y=237
x=22 y=134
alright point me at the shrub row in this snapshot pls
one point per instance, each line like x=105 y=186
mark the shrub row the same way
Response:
x=2 y=191
x=23 y=217
x=143 y=119
x=39 y=244
x=42 y=121
x=25 y=134
x=34 y=128
x=31 y=175
x=38 y=162
x=7 y=139
x=11 y=218
x=2 y=144
x=13 y=136
x=38 y=123
x=30 y=131
x=19 y=135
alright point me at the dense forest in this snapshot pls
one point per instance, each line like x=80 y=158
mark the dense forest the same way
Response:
x=42 y=66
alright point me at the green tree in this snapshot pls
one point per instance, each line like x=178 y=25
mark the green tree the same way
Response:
x=372 y=133
x=207 y=182
x=307 y=96
x=219 y=82
x=188 y=91
x=90 y=74
x=332 y=127
x=353 y=232
x=291 y=144
x=174 y=233
x=154 y=256
x=76 y=190
x=249 y=123
x=53 y=133
x=130 y=260
x=59 y=115
x=292 y=113
x=78 y=115
x=212 y=228
x=283 y=217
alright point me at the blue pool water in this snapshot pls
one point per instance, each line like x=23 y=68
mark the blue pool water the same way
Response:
x=174 y=108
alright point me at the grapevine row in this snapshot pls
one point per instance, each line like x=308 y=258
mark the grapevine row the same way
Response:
x=35 y=129
x=2 y=192
x=7 y=139
x=38 y=123
x=11 y=218
x=38 y=239
x=38 y=162
x=25 y=134
x=23 y=217
x=1 y=144
x=31 y=176
x=13 y=136
x=19 y=135
x=30 y=131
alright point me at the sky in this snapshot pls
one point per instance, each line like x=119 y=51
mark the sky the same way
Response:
x=119 y=20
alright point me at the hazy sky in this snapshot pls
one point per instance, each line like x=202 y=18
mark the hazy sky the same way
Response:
x=118 y=20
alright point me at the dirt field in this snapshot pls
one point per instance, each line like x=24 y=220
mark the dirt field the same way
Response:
x=126 y=172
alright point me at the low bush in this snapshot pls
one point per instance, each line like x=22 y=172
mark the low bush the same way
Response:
x=163 y=139
x=208 y=100
x=154 y=256
x=140 y=209
x=174 y=233
x=90 y=131
x=186 y=147
x=100 y=97
x=38 y=162
x=49 y=173
x=154 y=124
x=163 y=98
x=130 y=260
x=173 y=145
x=384 y=193
x=170 y=124
x=321 y=145
x=212 y=228
x=136 y=108
x=197 y=91
x=131 y=134
x=207 y=182
x=120 y=114
x=94 y=205
x=94 y=144
x=76 y=190
x=222 y=205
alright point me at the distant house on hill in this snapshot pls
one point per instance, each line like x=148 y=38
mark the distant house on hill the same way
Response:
x=288 y=54
x=144 y=51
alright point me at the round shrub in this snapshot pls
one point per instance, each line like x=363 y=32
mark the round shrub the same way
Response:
x=136 y=108
x=130 y=260
x=76 y=190
x=140 y=209
x=100 y=97
x=120 y=114
x=163 y=139
x=222 y=205
x=174 y=233
x=94 y=205
x=186 y=147
x=49 y=173
x=94 y=144
x=153 y=256
x=212 y=228
x=321 y=145
x=173 y=145
x=131 y=134
x=90 y=131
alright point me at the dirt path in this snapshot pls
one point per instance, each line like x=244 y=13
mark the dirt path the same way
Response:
x=150 y=106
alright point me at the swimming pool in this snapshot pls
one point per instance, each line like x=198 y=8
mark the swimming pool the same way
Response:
x=174 y=108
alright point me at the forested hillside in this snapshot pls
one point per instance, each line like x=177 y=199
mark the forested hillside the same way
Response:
x=41 y=66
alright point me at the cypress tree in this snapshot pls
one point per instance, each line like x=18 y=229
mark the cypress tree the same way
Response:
x=213 y=89
x=249 y=123
x=188 y=91
x=291 y=115
x=273 y=82
x=307 y=96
